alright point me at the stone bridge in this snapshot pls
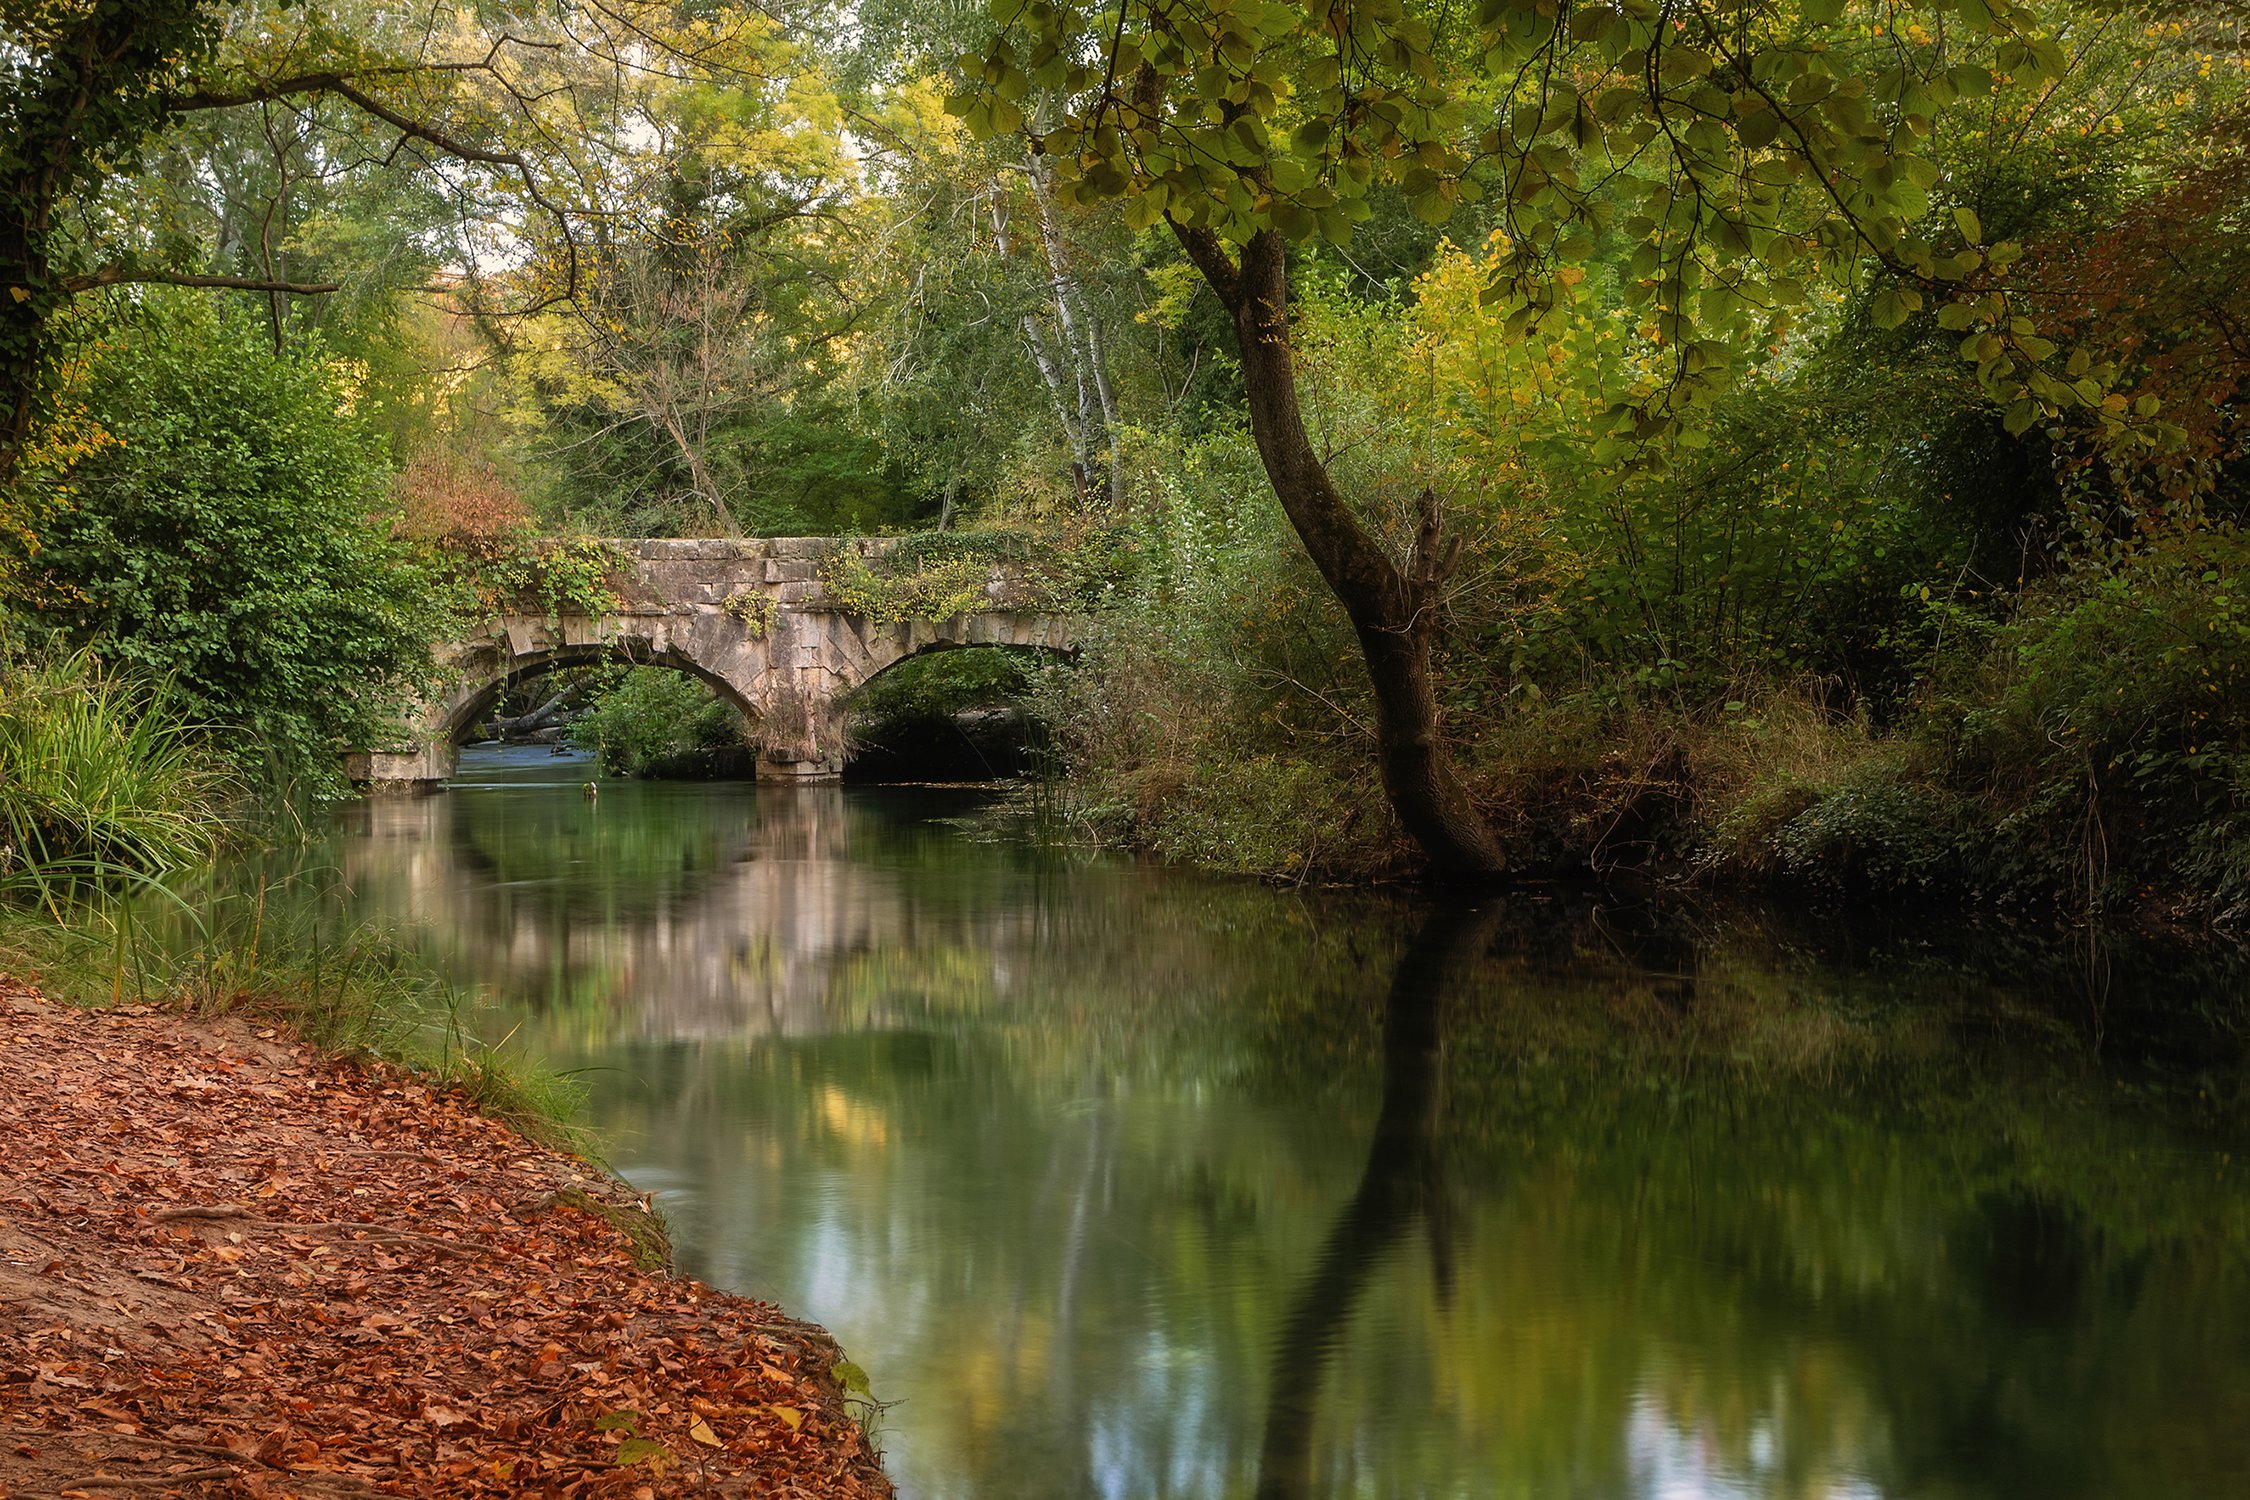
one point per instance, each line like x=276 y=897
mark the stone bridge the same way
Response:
x=750 y=617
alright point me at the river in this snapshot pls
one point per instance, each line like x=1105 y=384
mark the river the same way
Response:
x=1122 y=1182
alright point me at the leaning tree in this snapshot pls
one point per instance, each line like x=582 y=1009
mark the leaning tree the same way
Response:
x=1736 y=154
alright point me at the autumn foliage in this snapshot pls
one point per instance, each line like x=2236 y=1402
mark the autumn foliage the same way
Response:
x=448 y=499
x=2160 y=292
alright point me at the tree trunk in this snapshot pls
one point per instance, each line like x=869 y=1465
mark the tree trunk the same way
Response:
x=1393 y=611
x=1082 y=336
x=1050 y=369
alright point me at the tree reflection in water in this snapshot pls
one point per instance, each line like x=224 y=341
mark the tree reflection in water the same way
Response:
x=1403 y=1181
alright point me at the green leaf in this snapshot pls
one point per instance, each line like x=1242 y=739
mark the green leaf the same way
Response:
x=1971 y=80
x=641 y=1450
x=1971 y=230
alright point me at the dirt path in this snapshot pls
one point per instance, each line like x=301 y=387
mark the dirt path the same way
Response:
x=229 y=1266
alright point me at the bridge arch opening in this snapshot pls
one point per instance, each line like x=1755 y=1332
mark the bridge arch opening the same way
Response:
x=626 y=710
x=951 y=711
x=472 y=707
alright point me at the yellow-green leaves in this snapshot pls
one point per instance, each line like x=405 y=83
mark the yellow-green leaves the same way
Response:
x=1753 y=149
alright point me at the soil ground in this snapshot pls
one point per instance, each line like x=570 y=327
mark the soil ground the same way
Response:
x=230 y=1265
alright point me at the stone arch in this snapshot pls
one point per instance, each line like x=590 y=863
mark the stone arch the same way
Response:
x=750 y=617
x=804 y=707
x=1041 y=648
x=470 y=701
x=888 y=646
x=914 y=755
x=707 y=645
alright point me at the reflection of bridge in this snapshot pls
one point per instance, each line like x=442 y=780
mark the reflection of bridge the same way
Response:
x=749 y=617
x=671 y=913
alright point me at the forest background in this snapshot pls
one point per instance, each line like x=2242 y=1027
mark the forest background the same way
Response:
x=324 y=323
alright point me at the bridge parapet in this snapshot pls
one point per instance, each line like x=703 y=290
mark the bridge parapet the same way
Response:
x=752 y=617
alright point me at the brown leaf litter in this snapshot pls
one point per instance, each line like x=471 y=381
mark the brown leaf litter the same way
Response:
x=230 y=1265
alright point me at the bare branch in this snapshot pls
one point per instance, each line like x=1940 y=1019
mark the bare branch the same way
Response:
x=135 y=275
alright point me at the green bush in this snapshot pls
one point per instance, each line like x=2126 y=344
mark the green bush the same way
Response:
x=99 y=777
x=2109 y=723
x=1876 y=833
x=934 y=687
x=229 y=534
x=656 y=722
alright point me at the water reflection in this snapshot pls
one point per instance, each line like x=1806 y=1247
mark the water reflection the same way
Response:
x=1402 y=1183
x=1126 y=1184
x=700 y=909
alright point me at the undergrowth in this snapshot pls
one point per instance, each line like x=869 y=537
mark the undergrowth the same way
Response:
x=99 y=779
x=651 y=721
x=935 y=575
x=353 y=991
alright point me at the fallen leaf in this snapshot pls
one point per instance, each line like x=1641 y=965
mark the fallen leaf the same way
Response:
x=641 y=1450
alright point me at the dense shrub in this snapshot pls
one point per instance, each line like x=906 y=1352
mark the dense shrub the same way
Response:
x=230 y=534
x=2109 y=722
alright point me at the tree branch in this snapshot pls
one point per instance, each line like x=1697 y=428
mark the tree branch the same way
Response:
x=410 y=129
x=125 y=275
x=1209 y=255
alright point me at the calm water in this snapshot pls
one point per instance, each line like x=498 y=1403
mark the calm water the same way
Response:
x=1124 y=1183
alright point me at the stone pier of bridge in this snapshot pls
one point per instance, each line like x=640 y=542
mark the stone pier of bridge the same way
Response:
x=749 y=616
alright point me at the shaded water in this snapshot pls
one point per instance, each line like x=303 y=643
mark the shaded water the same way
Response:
x=1124 y=1183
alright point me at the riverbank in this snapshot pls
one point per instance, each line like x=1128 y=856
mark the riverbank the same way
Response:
x=231 y=1264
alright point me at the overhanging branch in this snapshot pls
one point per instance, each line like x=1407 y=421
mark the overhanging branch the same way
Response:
x=349 y=88
x=134 y=275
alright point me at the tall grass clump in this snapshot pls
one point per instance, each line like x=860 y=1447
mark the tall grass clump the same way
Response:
x=100 y=779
